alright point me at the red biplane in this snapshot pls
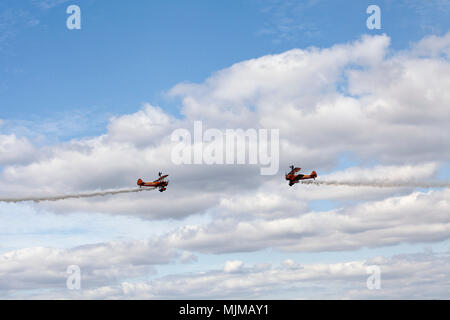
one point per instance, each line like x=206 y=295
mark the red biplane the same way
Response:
x=160 y=183
x=294 y=178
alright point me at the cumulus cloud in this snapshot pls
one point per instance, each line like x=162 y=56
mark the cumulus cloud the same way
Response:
x=415 y=218
x=14 y=150
x=100 y=264
x=388 y=109
x=295 y=79
x=355 y=97
x=418 y=276
x=233 y=266
x=146 y=126
x=413 y=276
x=432 y=46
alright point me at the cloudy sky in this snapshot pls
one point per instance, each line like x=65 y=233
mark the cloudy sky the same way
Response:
x=94 y=109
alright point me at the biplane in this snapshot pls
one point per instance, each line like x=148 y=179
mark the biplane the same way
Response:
x=294 y=178
x=160 y=183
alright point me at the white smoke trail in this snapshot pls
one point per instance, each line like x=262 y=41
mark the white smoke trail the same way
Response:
x=76 y=195
x=381 y=184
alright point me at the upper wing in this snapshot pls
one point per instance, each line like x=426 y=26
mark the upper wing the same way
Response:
x=161 y=178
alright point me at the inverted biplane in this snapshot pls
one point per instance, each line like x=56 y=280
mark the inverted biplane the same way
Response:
x=160 y=183
x=294 y=178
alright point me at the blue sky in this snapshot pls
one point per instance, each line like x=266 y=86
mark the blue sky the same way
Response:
x=60 y=88
x=49 y=71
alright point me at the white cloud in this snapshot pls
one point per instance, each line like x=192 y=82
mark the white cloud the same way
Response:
x=299 y=91
x=143 y=127
x=326 y=101
x=40 y=267
x=389 y=111
x=394 y=115
x=297 y=79
x=415 y=218
x=233 y=266
x=432 y=46
x=414 y=276
x=14 y=150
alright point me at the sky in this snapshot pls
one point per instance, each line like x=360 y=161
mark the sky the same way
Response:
x=93 y=109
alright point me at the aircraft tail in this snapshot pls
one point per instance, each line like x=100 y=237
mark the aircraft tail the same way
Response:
x=314 y=174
